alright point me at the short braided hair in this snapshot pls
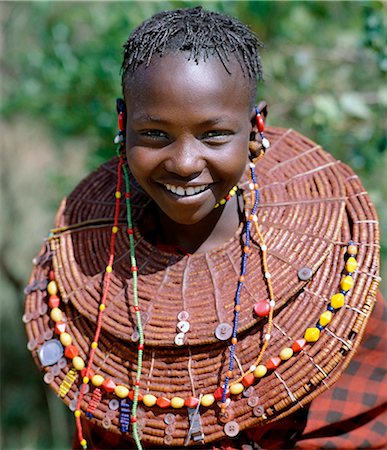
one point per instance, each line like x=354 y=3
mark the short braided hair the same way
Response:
x=199 y=33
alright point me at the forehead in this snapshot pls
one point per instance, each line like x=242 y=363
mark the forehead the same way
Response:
x=175 y=78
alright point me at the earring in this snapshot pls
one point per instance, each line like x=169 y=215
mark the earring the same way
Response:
x=257 y=149
x=120 y=137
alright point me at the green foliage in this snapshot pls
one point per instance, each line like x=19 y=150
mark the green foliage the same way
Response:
x=325 y=68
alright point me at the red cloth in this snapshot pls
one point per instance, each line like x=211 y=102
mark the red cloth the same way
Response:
x=350 y=415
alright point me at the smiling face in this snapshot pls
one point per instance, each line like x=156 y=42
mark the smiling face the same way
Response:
x=187 y=134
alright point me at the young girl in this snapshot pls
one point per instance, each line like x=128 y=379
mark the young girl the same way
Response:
x=199 y=292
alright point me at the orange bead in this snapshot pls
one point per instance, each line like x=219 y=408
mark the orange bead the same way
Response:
x=298 y=345
x=237 y=308
x=248 y=380
x=71 y=351
x=234 y=340
x=53 y=301
x=191 y=402
x=273 y=363
x=163 y=402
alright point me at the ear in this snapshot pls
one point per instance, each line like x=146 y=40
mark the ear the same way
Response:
x=263 y=109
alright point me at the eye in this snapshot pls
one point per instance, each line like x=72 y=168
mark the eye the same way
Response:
x=154 y=134
x=216 y=136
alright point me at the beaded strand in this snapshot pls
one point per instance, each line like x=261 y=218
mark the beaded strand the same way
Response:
x=237 y=307
x=102 y=306
x=136 y=308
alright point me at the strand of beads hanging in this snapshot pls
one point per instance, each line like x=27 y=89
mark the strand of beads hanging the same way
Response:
x=263 y=308
x=257 y=149
x=136 y=308
x=230 y=194
x=102 y=306
x=224 y=392
x=311 y=335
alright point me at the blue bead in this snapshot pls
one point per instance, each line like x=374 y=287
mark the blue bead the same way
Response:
x=344 y=292
x=330 y=308
x=319 y=326
x=89 y=415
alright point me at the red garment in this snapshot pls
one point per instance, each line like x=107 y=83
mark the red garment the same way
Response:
x=350 y=415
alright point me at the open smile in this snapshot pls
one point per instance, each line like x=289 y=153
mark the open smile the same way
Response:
x=186 y=192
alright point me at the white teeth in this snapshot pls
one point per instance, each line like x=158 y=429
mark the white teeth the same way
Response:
x=178 y=190
x=190 y=191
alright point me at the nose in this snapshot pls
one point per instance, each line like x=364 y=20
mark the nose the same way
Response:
x=185 y=158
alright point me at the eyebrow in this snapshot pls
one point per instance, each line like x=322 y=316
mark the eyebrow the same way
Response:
x=149 y=118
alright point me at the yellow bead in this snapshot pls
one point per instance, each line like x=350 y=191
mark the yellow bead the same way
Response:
x=121 y=391
x=77 y=413
x=286 y=353
x=312 y=334
x=325 y=318
x=78 y=363
x=56 y=314
x=102 y=307
x=115 y=230
x=236 y=388
x=118 y=194
x=85 y=380
x=352 y=249
x=52 y=288
x=83 y=443
x=97 y=380
x=351 y=264
x=109 y=269
x=207 y=400
x=260 y=371
x=149 y=400
x=337 y=301
x=177 y=402
x=94 y=344
x=223 y=201
x=65 y=339
x=346 y=283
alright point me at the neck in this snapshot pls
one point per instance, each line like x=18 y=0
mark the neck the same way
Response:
x=205 y=235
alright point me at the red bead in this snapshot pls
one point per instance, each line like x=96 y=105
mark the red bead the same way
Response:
x=218 y=394
x=87 y=373
x=53 y=301
x=248 y=380
x=298 y=345
x=134 y=268
x=109 y=385
x=140 y=346
x=137 y=382
x=139 y=396
x=136 y=308
x=163 y=402
x=262 y=308
x=227 y=198
x=130 y=230
x=127 y=194
x=71 y=351
x=52 y=275
x=121 y=121
x=273 y=363
x=191 y=402
x=133 y=419
x=60 y=327
x=260 y=123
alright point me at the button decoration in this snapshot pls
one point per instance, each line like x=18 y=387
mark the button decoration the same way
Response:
x=50 y=352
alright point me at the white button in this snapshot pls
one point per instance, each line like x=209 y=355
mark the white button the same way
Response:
x=231 y=429
x=114 y=404
x=223 y=331
x=179 y=339
x=183 y=326
x=183 y=315
x=304 y=273
x=50 y=352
